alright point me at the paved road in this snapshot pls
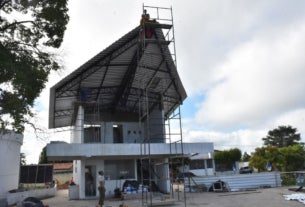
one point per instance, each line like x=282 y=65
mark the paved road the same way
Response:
x=260 y=198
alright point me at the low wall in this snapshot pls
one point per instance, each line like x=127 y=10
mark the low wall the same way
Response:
x=10 y=144
x=242 y=181
x=13 y=198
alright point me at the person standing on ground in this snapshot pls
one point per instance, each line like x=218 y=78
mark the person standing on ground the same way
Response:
x=101 y=188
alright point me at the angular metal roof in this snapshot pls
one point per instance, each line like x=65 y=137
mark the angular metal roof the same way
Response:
x=118 y=77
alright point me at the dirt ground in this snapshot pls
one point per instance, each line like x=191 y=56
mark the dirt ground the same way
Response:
x=272 y=197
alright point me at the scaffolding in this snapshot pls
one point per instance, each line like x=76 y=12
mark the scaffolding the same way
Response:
x=158 y=19
x=149 y=92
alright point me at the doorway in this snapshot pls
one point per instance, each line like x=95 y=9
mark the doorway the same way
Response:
x=117 y=133
x=90 y=181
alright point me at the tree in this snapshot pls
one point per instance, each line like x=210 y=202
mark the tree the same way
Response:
x=22 y=159
x=264 y=155
x=225 y=159
x=43 y=159
x=282 y=136
x=29 y=31
x=293 y=158
x=258 y=160
x=246 y=157
x=289 y=158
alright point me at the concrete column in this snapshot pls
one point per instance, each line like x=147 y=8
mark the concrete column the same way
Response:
x=75 y=169
x=156 y=126
x=135 y=169
x=163 y=171
x=103 y=132
x=109 y=132
x=82 y=179
x=167 y=175
x=214 y=170
x=205 y=167
x=78 y=129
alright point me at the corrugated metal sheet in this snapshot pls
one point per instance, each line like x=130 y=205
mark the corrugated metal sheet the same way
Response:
x=109 y=69
x=241 y=181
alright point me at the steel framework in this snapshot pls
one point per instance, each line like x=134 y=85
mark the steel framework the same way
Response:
x=172 y=135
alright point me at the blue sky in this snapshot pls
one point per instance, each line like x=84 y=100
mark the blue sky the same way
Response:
x=242 y=64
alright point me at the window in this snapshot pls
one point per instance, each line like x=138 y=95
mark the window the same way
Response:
x=92 y=134
x=196 y=164
x=119 y=169
x=209 y=163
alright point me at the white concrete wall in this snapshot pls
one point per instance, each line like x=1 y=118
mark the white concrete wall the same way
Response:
x=10 y=144
x=136 y=132
x=132 y=137
x=59 y=151
x=79 y=179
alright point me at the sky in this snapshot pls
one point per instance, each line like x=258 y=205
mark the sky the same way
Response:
x=241 y=62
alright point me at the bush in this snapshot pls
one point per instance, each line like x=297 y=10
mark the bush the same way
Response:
x=288 y=179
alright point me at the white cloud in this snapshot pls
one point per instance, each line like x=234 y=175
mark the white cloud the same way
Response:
x=259 y=80
x=295 y=118
x=247 y=140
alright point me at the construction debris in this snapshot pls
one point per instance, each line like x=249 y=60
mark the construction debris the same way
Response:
x=295 y=197
x=219 y=186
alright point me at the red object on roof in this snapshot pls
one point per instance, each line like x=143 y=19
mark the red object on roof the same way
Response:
x=63 y=166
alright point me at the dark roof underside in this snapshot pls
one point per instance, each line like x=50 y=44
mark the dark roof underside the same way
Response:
x=117 y=78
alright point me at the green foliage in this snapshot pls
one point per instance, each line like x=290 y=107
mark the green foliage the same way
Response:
x=288 y=179
x=226 y=158
x=246 y=157
x=43 y=159
x=291 y=158
x=258 y=159
x=29 y=30
x=282 y=136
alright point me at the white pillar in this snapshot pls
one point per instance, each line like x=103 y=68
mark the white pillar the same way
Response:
x=214 y=170
x=205 y=167
x=82 y=179
x=78 y=129
x=135 y=169
x=163 y=171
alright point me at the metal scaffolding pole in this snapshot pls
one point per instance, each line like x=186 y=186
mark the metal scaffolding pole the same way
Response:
x=166 y=26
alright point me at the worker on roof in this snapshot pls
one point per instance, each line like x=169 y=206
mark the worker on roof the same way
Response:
x=146 y=18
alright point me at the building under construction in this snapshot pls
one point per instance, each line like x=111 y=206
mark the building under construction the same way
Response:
x=123 y=109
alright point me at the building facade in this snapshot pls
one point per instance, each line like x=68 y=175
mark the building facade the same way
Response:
x=119 y=106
